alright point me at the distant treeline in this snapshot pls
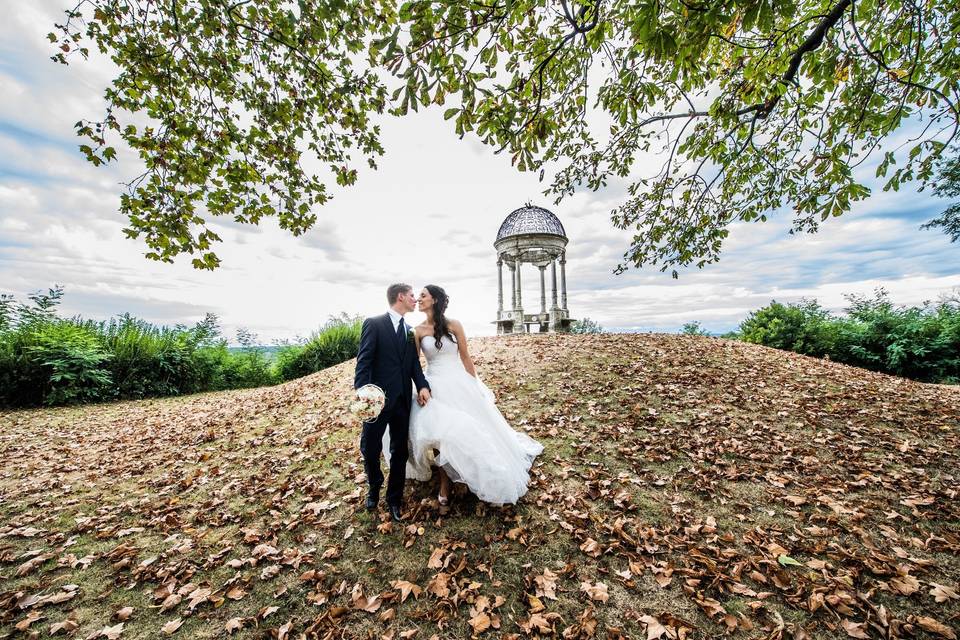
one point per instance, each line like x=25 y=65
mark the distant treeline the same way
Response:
x=49 y=360
x=920 y=342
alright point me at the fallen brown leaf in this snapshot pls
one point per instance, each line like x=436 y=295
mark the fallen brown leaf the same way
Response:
x=546 y=584
x=596 y=591
x=438 y=585
x=654 y=629
x=171 y=627
x=855 y=629
x=943 y=593
x=935 y=626
x=480 y=622
x=406 y=588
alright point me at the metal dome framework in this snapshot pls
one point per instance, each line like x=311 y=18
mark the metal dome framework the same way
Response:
x=531 y=220
x=532 y=235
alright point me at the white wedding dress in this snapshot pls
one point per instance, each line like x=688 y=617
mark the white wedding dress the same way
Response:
x=461 y=422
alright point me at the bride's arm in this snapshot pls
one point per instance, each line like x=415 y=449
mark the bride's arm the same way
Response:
x=417 y=336
x=461 y=337
x=420 y=380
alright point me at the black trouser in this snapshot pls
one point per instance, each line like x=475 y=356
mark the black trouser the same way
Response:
x=371 y=445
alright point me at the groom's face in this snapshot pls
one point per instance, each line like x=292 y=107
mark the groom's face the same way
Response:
x=408 y=301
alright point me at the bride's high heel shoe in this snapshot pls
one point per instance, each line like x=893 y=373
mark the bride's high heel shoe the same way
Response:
x=444 y=481
x=444 y=500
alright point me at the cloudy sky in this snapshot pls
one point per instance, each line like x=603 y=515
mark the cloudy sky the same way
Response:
x=428 y=215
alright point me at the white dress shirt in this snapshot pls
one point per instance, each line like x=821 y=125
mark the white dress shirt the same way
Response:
x=396 y=318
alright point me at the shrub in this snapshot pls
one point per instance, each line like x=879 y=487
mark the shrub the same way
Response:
x=24 y=379
x=45 y=359
x=693 y=329
x=21 y=381
x=337 y=341
x=249 y=367
x=914 y=342
x=922 y=342
x=71 y=363
x=585 y=326
x=289 y=364
x=6 y=312
x=799 y=327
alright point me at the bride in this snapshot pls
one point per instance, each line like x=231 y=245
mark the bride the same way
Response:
x=461 y=431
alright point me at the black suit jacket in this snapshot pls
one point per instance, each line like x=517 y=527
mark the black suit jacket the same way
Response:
x=382 y=361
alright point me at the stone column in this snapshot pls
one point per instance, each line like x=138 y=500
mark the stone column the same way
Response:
x=563 y=279
x=519 y=288
x=543 y=288
x=553 y=279
x=499 y=286
x=513 y=285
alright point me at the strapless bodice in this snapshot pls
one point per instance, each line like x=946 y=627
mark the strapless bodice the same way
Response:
x=447 y=355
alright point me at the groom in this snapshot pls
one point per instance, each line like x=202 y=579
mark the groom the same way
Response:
x=388 y=358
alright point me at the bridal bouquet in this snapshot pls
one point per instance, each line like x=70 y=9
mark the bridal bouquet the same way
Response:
x=368 y=403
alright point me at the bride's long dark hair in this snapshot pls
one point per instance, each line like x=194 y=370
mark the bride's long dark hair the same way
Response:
x=440 y=326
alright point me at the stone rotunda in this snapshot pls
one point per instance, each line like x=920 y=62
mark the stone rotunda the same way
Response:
x=532 y=235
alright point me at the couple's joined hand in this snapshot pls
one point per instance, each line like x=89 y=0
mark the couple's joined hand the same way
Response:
x=423 y=396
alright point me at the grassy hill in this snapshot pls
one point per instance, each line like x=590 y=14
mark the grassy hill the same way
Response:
x=690 y=488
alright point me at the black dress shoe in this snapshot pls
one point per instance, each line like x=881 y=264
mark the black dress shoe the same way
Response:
x=395 y=513
x=371 y=503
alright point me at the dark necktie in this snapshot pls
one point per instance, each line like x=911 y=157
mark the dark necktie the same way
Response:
x=401 y=333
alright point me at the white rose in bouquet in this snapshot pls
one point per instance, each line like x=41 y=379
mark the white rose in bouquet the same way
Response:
x=368 y=403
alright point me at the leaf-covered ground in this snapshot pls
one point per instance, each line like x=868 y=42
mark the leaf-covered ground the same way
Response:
x=690 y=488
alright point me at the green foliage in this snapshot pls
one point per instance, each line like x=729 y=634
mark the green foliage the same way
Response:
x=6 y=311
x=693 y=329
x=160 y=361
x=914 y=342
x=948 y=186
x=51 y=361
x=250 y=367
x=922 y=343
x=238 y=96
x=753 y=106
x=799 y=327
x=71 y=362
x=23 y=372
x=44 y=306
x=45 y=359
x=337 y=341
x=585 y=326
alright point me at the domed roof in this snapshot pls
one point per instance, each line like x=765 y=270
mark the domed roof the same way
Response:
x=530 y=219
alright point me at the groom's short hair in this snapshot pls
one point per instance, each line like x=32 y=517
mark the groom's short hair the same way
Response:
x=394 y=291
